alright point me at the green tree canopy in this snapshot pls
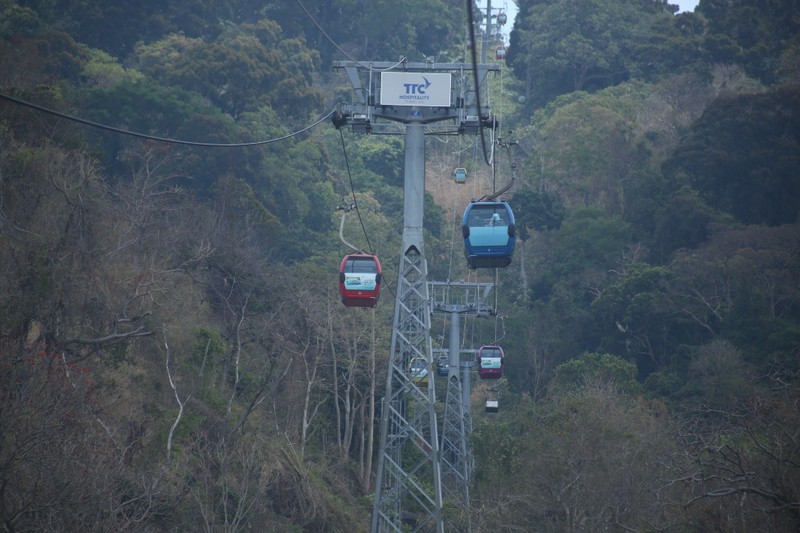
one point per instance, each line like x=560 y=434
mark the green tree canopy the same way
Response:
x=568 y=45
x=246 y=67
x=538 y=210
x=742 y=157
x=596 y=369
x=751 y=33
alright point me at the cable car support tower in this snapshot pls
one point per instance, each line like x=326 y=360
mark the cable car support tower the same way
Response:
x=414 y=99
x=454 y=300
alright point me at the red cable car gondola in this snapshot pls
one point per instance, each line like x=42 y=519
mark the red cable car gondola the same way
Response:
x=500 y=52
x=360 y=280
x=490 y=361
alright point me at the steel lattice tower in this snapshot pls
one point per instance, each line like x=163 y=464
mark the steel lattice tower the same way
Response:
x=408 y=477
x=457 y=299
x=408 y=484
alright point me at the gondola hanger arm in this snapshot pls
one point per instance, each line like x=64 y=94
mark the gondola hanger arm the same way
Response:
x=493 y=196
x=341 y=230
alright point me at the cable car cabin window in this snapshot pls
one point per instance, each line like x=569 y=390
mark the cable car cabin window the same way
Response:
x=491 y=351
x=361 y=265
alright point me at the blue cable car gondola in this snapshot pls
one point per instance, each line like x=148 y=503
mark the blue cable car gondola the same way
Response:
x=443 y=366
x=360 y=280
x=489 y=234
x=490 y=361
x=460 y=175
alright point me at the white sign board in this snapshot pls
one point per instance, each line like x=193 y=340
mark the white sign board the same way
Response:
x=424 y=89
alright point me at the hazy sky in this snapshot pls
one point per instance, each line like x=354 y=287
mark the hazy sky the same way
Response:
x=686 y=5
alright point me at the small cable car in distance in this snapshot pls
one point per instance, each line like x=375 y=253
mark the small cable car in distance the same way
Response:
x=492 y=405
x=360 y=280
x=418 y=371
x=490 y=360
x=502 y=18
x=500 y=52
x=489 y=234
x=492 y=400
x=443 y=366
x=460 y=175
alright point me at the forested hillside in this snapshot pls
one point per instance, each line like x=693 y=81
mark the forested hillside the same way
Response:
x=174 y=354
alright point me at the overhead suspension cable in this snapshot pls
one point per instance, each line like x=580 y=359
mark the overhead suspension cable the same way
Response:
x=162 y=139
x=471 y=23
x=353 y=192
x=322 y=31
x=335 y=45
x=358 y=212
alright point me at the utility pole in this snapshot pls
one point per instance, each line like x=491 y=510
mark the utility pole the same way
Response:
x=408 y=484
x=491 y=34
x=487 y=35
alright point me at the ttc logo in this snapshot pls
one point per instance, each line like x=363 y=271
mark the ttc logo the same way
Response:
x=417 y=88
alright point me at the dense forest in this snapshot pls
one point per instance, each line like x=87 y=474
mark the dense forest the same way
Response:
x=174 y=354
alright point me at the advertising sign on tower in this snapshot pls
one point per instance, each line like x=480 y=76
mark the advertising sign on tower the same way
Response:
x=424 y=89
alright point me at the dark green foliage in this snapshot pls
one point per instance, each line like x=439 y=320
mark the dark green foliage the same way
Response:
x=580 y=259
x=727 y=287
x=589 y=241
x=434 y=217
x=117 y=28
x=246 y=67
x=538 y=210
x=672 y=44
x=36 y=51
x=18 y=20
x=151 y=109
x=385 y=158
x=201 y=280
x=742 y=157
x=294 y=185
x=375 y=30
x=636 y=317
x=684 y=221
x=750 y=32
x=584 y=46
x=596 y=369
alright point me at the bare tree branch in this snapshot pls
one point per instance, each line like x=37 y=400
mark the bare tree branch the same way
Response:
x=138 y=332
